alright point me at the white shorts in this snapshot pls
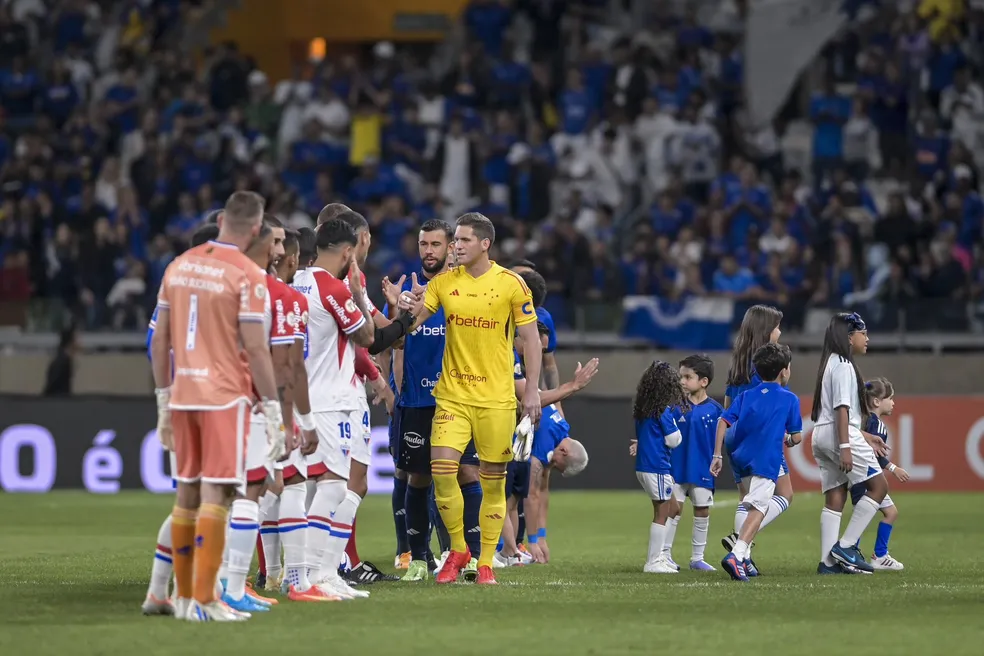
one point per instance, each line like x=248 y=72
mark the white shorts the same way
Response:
x=340 y=438
x=700 y=497
x=294 y=464
x=257 y=465
x=659 y=487
x=360 y=447
x=886 y=503
x=760 y=491
x=826 y=452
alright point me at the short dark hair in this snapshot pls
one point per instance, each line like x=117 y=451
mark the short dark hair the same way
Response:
x=332 y=210
x=242 y=206
x=770 y=360
x=213 y=216
x=542 y=328
x=335 y=232
x=537 y=285
x=480 y=224
x=272 y=220
x=290 y=241
x=355 y=220
x=521 y=263
x=205 y=232
x=307 y=245
x=437 y=225
x=701 y=365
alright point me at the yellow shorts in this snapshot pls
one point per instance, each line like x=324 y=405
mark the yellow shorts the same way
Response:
x=492 y=429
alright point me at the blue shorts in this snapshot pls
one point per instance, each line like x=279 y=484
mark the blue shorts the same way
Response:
x=517 y=479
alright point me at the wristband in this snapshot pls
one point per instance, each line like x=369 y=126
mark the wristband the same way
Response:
x=306 y=422
x=717 y=457
x=531 y=538
x=845 y=445
x=892 y=467
x=542 y=533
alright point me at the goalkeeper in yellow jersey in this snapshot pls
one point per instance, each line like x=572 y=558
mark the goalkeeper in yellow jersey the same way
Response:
x=484 y=305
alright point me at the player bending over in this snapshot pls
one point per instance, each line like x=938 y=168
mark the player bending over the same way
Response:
x=759 y=326
x=157 y=602
x=845 y=455
x=656 y=432
x=691 y=461
x=881 y=402
x=213 y=301
x=763 y=418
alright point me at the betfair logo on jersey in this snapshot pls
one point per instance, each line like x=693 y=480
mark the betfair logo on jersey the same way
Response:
x=467 y=378
x=430 y=331
x=527 y=308
x=473 y=322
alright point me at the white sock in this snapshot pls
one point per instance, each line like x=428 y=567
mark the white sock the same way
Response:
x=671 y=527
x=830 y=526
x=293 y=529
x=741 y=550
x=224 y=567
x=657 y=534
x=160 y=574
x=244 y=524
x=341 y=531
x=740 y=513
x=329 y=496
x=777 y=506
x=864 y=511
x=699 y=539
x=270 y=533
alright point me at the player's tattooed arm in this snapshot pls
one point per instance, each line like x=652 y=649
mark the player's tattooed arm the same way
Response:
x=364 y=335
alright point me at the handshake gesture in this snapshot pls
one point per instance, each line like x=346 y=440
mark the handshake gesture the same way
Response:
x=411 y=301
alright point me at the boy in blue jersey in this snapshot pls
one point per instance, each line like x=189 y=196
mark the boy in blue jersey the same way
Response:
x=691 y=461
x=764 y=418
x=553 y=449
x=656 y=433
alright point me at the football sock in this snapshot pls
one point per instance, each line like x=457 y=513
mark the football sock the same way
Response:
x=160 y=574
x=293 y=529
x=243 y=529
x=777 y=506
x=864 y=511
x=270 y=535
x=450 y=503
x=417 y=507
x=740 y=513
x=400 y=515
x=657 y=534
x=341 y=530
x=330 y=494
x=671 y=527
x=437 y=524
x=491 y=514
x=352 y=547
x=881 y=541
x=183 y=550
x=521 y=523
x=830 y=523
x=472 y=495
x=699 y=539
x=740 y=550
x=210 y=532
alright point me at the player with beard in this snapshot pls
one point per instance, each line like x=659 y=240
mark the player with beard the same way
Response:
x=336 y=324
x=359 y=571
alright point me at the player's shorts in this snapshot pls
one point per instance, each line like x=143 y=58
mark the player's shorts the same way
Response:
x=701 y=497
x=338 y=433
x=858 y=491
x=827 y=454
x=210 y=445
x=257 y=465
x=361 y=450
x=659 y=487
x=760 y=492
x=173 y=469
x=394 y=434
x=518 y=479
x=455 y=424
x=413 y=442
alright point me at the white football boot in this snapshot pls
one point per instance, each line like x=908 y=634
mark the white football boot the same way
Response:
x=886 y=562
x=214 y=611
x=660 y=566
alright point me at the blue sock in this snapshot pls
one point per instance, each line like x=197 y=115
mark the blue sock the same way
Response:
x=881 y=542
x=400 y=515
x=499 y=546
x=521 y=524
x=472 y=492
x=443 y=538
x=417 y=521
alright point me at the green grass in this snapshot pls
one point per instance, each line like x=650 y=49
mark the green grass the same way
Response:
x=74 y=567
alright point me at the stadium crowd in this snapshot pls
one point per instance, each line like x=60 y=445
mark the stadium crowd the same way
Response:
x=620 y=162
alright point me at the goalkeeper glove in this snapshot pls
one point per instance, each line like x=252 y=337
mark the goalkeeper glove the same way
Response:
x=276 y=437
x=164 y=431
x=523 y=442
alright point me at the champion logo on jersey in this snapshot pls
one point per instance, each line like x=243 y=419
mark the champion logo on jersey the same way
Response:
x=455 y=293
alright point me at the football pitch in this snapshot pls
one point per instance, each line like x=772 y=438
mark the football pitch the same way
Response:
x=74 y=569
